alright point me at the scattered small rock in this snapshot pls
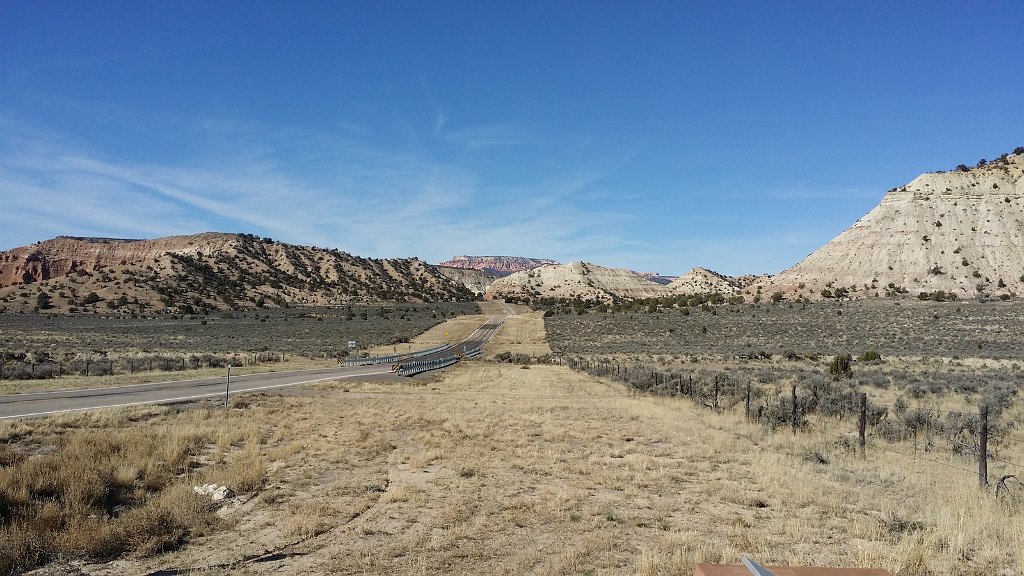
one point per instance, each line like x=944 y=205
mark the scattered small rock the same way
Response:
x=215 y=492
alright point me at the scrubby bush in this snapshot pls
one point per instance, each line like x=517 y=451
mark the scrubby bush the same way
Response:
x=840 y=367
x=512 y=357
x=869 y=356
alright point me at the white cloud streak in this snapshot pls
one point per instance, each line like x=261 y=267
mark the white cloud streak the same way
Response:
x=325 y=188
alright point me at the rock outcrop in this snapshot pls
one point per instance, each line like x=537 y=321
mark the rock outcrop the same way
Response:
x=575 y=280
x=184 y=274
x=959 y=232
x=475 y=280
x=497 y=265
x=702 y=281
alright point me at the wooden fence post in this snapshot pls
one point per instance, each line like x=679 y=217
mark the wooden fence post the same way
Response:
x=794 y=409
x=983 y=448
x=862 y=425
x=746 y=406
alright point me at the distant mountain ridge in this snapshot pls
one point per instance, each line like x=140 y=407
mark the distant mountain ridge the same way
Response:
x=497 y=265
x=208 y=271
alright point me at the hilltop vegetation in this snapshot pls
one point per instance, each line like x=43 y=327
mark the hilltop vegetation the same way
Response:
x=207 y=272
x=956 y=233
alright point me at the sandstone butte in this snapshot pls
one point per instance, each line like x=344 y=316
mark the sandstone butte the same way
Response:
x=575 y=280
x=960 y=232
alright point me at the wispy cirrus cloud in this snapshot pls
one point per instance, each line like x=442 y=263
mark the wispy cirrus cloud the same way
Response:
x=330 y=188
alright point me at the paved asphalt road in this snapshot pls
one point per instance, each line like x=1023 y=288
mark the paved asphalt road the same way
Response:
x=42 y=403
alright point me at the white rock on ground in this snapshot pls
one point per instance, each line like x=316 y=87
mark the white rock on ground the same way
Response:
x=215 y=492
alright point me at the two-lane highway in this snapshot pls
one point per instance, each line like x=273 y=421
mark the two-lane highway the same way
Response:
x=54 y=402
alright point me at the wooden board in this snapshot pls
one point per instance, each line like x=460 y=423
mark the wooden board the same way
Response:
x=740 y=570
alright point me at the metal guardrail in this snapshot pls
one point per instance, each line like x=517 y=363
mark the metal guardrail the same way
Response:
x=420 y=353
x=392 y=358
x=368 y=360
x=473 y=352
x=417 y=366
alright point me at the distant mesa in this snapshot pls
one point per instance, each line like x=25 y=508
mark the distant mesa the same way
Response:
x=209 y=271
x=945 y=234
x=656 y=278
x=497 y=265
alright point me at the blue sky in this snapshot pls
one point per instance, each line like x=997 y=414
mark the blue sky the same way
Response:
x=656 y=136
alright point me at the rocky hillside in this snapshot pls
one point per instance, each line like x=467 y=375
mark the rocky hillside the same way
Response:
x=959 y=232
x=476 y=281
x=703 y=281
x=497 y=265
x=575 y=280
x=185 y=274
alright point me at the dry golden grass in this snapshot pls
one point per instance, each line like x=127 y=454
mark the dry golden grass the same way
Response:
x=522 y=333
x=448 y=332
x=495 y=469
x=105 y=484
x=458 y=329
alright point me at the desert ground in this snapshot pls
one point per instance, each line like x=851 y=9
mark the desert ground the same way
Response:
x=497 y=468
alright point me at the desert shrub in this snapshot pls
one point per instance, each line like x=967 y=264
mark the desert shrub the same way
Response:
x=869 y=356
x=512 y=357
x=840 y=367
x=98 y=495
x=909 y=329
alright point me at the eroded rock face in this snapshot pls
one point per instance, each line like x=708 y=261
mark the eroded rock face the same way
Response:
x=475 y=280
x=66 y=254
x=497 y=265
x=701 y=281
x=209 y=271
x=960 y=231
x=576 y=280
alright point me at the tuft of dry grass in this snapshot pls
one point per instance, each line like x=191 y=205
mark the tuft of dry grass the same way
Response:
x=102 y=485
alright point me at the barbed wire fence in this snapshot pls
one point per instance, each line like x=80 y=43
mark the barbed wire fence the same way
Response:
x=968 y=434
